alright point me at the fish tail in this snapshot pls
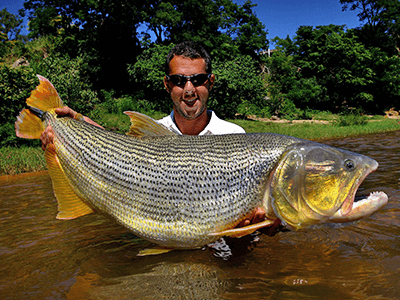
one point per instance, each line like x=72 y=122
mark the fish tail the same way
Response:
x=29 y=124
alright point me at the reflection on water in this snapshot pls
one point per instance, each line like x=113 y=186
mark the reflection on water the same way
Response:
x=94 y=258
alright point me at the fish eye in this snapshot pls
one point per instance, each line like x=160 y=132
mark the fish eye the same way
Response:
x=349 y=164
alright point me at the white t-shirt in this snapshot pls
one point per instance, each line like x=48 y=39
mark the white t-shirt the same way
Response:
x=215 y=126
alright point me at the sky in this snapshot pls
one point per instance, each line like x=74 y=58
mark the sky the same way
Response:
x=280 y=17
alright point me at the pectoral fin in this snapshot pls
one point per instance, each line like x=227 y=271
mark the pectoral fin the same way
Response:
x=154 y=251
x=242 y=231
x=70 y=206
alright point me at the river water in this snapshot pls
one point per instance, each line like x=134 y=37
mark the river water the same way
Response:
x=94 y=258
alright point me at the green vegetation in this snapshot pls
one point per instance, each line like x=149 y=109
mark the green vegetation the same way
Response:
x=329 y=72
x=316 y=131
x=19 y=160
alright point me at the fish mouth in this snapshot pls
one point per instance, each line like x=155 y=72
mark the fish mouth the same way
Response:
x=361 y=207
x=355 y=208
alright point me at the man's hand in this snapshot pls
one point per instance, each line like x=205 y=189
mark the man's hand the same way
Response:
x=47 y=136
x=259 y=216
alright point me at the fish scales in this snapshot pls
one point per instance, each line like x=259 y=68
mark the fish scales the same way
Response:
x=167 y=186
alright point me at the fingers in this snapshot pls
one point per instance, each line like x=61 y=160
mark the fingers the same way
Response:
x=65 y=111
x=244 y=223
x=258 y=216
x=47 y=137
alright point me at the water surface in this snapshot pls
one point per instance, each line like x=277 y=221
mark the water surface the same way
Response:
x=92 y=257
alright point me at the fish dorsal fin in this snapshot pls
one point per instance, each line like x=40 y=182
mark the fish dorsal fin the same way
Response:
x=70 y=206
x=45 y=96
x=142 y=125
x=242 y=231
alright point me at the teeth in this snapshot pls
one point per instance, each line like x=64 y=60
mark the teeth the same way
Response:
x=363 y=208
x=376 y=195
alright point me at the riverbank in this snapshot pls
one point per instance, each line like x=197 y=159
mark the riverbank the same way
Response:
x=320 y=129
x=31 y=159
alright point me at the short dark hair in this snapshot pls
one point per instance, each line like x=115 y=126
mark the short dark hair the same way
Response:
x=190 y=50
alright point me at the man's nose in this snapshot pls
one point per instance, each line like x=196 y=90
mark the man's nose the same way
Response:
x=188 y=90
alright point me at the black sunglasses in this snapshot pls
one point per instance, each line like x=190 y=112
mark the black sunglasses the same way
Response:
x=196 y=79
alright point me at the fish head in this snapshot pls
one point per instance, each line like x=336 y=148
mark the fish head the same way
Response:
x=314 y=183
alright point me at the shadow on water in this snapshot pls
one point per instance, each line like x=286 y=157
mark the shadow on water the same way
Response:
x=94 y=258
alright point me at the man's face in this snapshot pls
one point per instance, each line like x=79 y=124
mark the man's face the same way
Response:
x=189 y=101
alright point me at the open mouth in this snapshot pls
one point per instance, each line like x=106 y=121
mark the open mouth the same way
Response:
x=362 y=207
x=357 y=207
x=190 y=102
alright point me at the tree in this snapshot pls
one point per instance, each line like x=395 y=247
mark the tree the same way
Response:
x=223 y=27
x=382 y=23
x=106 y=32
x=339 y=63
x=10 y=26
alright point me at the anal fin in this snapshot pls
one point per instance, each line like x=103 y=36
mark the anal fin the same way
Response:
x=242 y=231
x=70 y=206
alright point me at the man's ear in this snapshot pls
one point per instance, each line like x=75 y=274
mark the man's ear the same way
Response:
x=211 y=81
x=166 y=85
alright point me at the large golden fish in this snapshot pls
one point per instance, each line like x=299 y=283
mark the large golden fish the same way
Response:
x=187 y=191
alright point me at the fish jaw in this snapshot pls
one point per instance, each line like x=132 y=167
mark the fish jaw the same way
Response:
x=362 y=208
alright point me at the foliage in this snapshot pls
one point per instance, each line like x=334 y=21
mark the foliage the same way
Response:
x=287 y=89
x=337 y=62
x=10 y=29
x=222 y=26
x=108 y=32
x=15 y=87
x=382 y=23
x=147 y=75
x=237 y=81
x=67 y=75
x=350 y=119
x=125 y=103
x=104 y=31
x=10 y=26
x=94 y=53
x=70 y=79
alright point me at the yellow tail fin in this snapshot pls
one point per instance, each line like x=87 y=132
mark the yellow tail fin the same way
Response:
x=43 y=98
x=28 y=125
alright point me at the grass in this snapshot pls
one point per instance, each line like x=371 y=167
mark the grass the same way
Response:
x=317 y=132
x=31 y=159
x=21 y=160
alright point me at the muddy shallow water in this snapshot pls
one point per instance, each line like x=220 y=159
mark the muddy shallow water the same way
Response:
x=92 y=257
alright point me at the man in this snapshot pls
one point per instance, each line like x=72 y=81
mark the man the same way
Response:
x=188 y=80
